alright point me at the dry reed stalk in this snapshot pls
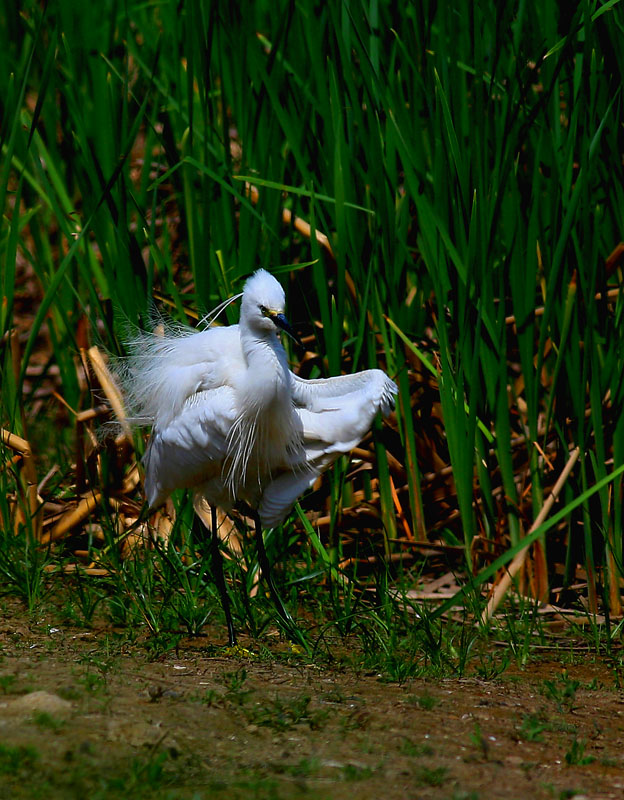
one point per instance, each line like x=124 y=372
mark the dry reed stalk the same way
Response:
x=131 y=480
x=35 y=507
x=73 y=518
x=34 y=502
x=109 y=387
x=520 y=557
x=71 y=568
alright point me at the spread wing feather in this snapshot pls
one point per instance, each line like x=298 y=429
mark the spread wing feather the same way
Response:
x=335 y=415
x=322 y=394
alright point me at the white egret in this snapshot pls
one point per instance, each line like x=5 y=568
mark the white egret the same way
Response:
x=232 y=422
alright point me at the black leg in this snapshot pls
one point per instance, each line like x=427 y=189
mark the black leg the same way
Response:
x=289 y=623
x=219 y=578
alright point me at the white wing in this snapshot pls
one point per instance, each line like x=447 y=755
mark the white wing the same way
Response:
x=335 y=414
x=370 y=386
x=190 y=449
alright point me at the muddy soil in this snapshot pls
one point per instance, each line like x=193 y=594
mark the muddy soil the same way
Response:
x=82 y=715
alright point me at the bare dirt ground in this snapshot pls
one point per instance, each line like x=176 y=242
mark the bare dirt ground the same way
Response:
x=83 y=715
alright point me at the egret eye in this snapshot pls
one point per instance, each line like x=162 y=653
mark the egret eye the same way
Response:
x=263 y=310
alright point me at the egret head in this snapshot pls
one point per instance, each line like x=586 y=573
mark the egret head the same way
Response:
x=262 y=308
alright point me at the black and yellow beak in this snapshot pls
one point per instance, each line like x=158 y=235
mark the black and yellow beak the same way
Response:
x=280 y=321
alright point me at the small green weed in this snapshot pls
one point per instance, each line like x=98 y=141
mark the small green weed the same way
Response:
x=491 y=665
x=44 y=720
x=479 y=741
x=358 y=719
x=561 y=691
x=425 y=701
x=234 y=682
x=532 y=728
x=209 y=698
x=576 y=754
x=93 y=682
x=356 y=772
x=22 y=564
x=7 y=682
x=15 y=759
x=281 y=714
x=235 y=693
x=69 y=692
x=98 y=667
x=415 y=749
x=143 y=777
x=84 y=597
x=304 y=768
x=161 y=643
x=432 y=776
x=560 y=726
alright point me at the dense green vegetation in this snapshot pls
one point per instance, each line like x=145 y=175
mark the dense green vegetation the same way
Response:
x=464 y=161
